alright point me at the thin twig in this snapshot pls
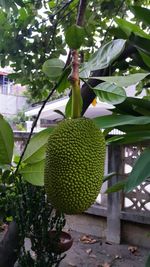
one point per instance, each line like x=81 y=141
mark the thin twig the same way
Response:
x=33 y=126
x=108 y=28
x=80 y=20
x=81 y=12
x=39 y=113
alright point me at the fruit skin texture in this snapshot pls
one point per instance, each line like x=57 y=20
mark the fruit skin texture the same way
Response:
x=74 y=165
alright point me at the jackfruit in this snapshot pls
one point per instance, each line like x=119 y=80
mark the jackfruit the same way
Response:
x=74 y=165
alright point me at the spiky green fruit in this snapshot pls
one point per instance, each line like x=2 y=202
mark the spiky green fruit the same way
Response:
x=74 y=165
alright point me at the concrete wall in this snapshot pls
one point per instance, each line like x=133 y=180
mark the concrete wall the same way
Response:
x=135 y=233
x=10 y=104
x=131 y=233
x=88 y=224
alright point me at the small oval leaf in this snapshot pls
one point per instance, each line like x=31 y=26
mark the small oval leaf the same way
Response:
x=140 y=171
x=75 y=36
x=6 y=142
x=53 y=68
x=68 y=108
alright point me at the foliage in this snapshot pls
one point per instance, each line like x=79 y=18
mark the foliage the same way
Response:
x=6 y=142
x=148 y=262
x=33 y=44
x=43 y=37
x=30 y=36
x=34 y=216
x=28 y=206
x=18 y=121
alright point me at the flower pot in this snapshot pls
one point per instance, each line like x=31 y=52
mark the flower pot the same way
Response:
x=60 y=242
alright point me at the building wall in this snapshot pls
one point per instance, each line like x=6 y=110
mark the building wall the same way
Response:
x=132 y=233
x=11 y=104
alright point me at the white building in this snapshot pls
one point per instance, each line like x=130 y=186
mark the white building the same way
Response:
x=49 y=116
x=11 y=98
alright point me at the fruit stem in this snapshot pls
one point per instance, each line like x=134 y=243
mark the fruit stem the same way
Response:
x=75 y=83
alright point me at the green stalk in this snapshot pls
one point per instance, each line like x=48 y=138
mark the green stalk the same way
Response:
x=75 y=83
x=76 y=101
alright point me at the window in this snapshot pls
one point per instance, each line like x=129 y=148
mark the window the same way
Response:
x=5 y=84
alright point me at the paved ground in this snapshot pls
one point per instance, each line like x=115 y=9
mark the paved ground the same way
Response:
x=89 y=251
x=101 y=254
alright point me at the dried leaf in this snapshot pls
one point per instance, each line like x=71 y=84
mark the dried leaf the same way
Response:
x=106 y=264
x=118 y=257
x=93 y=256
x=94 y=102
x=88 y=251
x=86 y=239
x=108 y=243
x=4 y=228
x=133 y=249
x=72 y=264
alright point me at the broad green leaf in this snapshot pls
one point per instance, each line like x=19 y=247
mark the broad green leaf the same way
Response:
x=6 y=142
x=145 y=58
x=20 y=3
x=84 y=71
x=16 y=158
x=142 y=44
x=130 y=138
x=123 y=81
x=109 y=121
x=116 y=187
x=103 y=57
x=23 y=14
x=147 y=262
x=140 y=171
x=110 y=93
x=9 y=4
x=35 y=151
x=74 y=36
x=134 y=128
x=118 y=33
x=34 y=173
x=52 y=4
x=142 y=14
x=59 y=112
x=53 y=68
x=132 y=106
x=68 y=108
x=137 y=63
x=63 y=81
x=142 y=111
x=129 y=27
x=108 y=176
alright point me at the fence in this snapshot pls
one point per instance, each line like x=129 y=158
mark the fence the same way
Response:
x=134 y=206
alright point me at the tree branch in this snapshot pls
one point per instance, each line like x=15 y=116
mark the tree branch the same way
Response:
x=81 y=12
